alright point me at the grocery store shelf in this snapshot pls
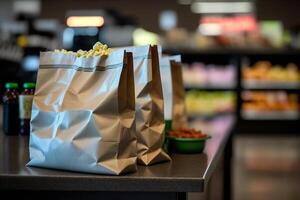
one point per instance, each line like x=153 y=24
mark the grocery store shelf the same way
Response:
x=267 y=127
x=210 y=87
x=286 y=85
x=231 y=51
x=209 y=115
x=270 y=115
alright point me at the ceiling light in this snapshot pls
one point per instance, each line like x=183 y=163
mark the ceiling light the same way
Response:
x=85 y=21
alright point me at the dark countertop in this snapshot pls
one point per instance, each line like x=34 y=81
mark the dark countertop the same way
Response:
x=186 y=173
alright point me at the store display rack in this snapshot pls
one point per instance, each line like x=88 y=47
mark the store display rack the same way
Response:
x=209 y=88
x=207 y=116
x=270 y=115
x=250 y=122
x=270 y=85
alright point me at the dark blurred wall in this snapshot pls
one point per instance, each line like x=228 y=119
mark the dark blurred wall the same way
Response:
x=6 y=9
x=146 y=13
x=288 y=11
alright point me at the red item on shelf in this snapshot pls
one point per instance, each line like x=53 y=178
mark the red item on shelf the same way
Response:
x=187 y=133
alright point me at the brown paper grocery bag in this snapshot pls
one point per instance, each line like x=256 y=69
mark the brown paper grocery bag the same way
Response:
x=179 y=116
x=149 y=104
x=83 y=114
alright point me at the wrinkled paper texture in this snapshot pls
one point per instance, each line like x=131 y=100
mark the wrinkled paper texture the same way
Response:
x=83 y=114
x=149 y=104
x=179 y=117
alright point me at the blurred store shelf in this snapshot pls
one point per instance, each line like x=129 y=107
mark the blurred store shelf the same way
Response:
x=208 y=102
x=210 y=115
x=270 y=115
x=209 y=87
x=219 y=123
x=230 y=51
x=208 y=76
x=262 y=84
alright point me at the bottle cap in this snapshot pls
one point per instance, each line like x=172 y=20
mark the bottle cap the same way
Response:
x=29 y=85
x=11 y=85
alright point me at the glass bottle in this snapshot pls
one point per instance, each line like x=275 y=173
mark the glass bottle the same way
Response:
x=10 y=109
x=25 y=105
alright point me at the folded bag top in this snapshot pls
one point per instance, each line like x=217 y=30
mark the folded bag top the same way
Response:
x=58 y=59
x=83 y=114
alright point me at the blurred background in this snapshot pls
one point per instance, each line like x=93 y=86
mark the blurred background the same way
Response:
x=241 y=64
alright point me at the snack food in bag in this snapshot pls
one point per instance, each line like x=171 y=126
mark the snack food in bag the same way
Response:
x=83 y=113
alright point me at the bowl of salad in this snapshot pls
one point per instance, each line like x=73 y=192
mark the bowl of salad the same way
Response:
x=185 y=140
